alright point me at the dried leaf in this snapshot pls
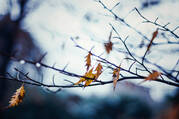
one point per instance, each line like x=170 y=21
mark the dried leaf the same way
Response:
x=153 y=76
x=89 y=74
x=153 y=37
x=81 y=80
x=115 y=76
x=88 y=61
x=87 y=81
x=99 y=70
x=108 y=46
x=17 y=97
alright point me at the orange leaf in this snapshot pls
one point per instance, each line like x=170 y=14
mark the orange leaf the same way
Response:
x=88 y=60
x=99 y=70
x=115 y=76
x=153 y=37
x=17 y=97
x=89 y=75
x=153 y=76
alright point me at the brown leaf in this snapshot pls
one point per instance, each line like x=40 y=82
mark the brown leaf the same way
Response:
x=153 y=37
x=88 y=61
x=17 y=97
x=115 y=77
x=153 y=76
x=108 y=46
x=99 y=70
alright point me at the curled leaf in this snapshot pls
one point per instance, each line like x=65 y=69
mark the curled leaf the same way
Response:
x=115 y=76
x=81 y=80
x=98 y=70
x=108 y=46
x=154 y=35
x=17 y=97
x=153 y=76
x=89 y=74
x=90 y=78
x=88 y=61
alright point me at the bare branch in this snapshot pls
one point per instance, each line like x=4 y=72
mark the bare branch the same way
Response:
x=161 y=26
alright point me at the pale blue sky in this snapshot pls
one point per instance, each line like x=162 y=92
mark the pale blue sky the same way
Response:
x=55 y=21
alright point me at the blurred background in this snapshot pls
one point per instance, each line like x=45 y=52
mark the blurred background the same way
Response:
x=31 y=28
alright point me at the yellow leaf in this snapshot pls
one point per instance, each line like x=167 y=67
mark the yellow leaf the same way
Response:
x=88 y=60
x=87 y=81
x=153 y=76
x=99 y=70
x=81 y=80
x=17 y=97
x=89 y=75
x=115 y=76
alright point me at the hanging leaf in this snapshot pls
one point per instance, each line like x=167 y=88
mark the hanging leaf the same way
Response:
x=99 y=70
x=17 y=97
x=88 y=61
x=153 y=76
x=108 y=46
x=153 y=37
x=115 y=76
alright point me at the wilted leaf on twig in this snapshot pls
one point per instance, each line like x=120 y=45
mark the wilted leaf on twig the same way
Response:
x=88 y=61
x=153 y=37
x=17 y=97
x=98 y=70
x=87 y=81
x=153 y=76
x=89 y=76
x=115 y=76
x=109 y=44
